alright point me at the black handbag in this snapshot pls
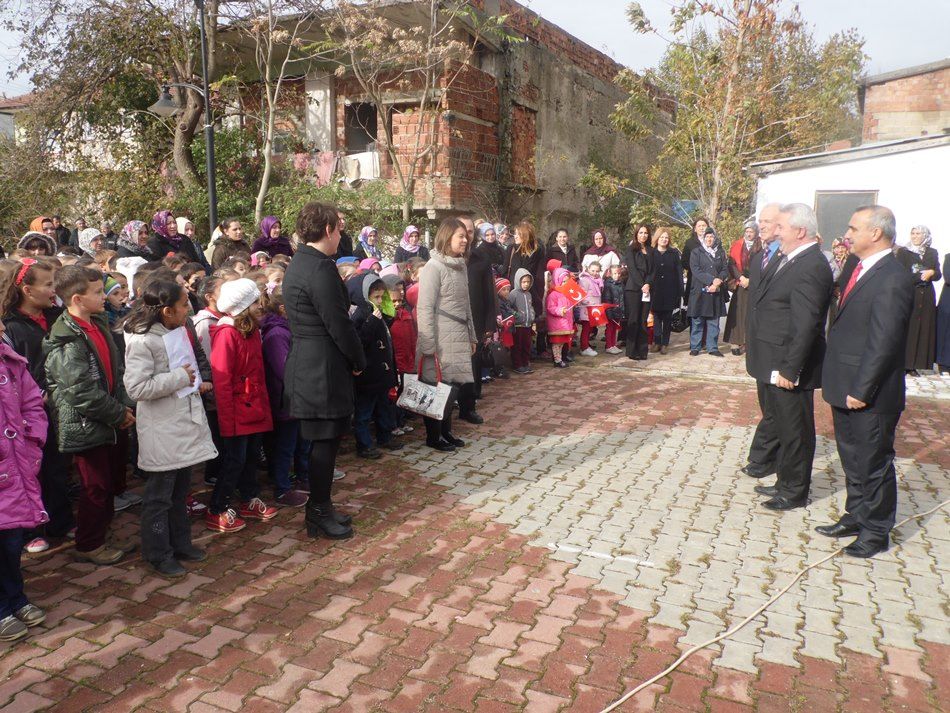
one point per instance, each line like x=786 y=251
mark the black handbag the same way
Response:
x=679 y=322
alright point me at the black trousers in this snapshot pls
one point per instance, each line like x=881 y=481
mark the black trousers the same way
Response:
x=662 y=326
x=638 y=312
x=436 y=429
x=322 y=462
x=793 y=413
x=54 y=476
x=166 y=527
x=764 y=450
x=866 y=449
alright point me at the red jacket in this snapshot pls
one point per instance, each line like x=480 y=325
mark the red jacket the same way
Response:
x=404 y=333
x=240 y=386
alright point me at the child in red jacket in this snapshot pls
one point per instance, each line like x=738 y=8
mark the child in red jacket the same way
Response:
x=244 y=413
x=403 y=331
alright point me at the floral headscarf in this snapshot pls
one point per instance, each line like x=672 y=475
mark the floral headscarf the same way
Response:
x=129 y=239
x=924 y=244
x=405 y=244
x=160 y=226
x=269 y=222
x=86 y=237
x=370 y=250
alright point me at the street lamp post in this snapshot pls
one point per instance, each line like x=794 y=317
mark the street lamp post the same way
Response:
x=166 y=106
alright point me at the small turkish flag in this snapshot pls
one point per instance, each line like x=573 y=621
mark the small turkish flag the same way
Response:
x=597 y=314
x=570 y=289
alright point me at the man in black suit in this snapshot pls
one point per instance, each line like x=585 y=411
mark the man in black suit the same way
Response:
x=863 y=380
x=787 y=345
x=763 y=453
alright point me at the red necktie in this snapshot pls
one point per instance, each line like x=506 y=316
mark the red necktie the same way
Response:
x=851 y=282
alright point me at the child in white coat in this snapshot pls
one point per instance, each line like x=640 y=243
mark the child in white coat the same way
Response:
x=173 y=431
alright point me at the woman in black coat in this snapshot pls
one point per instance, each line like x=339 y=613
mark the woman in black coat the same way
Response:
x=667 y=290
x=943 y=321
x=525 y=253
x=637 y=292
x=166 y=238
x=325 y=354
x=707 y=298
x=924 y=262
x=693 y=242
x=560 y=248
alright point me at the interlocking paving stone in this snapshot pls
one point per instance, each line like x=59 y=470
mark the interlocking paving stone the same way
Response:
x=568 y=552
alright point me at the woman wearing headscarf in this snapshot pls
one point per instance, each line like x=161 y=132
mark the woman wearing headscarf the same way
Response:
x=502 y=235
x=271 y=240
x=693 y=242
x=90 y=241
x=166 y=238
x=133 y=241
x=924 y=262
x=483 y=260
x=367 y=245
x=600 y=251
x=741 y=255
x=707 y=303
x=840 y=271
x=187 y=228
x=410 y=246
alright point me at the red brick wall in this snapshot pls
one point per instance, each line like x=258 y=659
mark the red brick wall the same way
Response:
x=920 y=93
x=524 y=138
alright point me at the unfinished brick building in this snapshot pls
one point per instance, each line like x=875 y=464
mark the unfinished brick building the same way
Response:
x=516 y=131
x=909 y=102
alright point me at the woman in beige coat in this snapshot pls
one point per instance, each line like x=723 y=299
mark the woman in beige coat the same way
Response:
x=446 y=328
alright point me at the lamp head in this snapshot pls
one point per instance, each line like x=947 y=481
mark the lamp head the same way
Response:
x=165 y=106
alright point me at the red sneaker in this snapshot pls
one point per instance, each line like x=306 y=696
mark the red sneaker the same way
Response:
x=228 y=521
x=255 y=509
x=194 y=507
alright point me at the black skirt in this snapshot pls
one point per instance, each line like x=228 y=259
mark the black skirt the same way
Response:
x=324 y=429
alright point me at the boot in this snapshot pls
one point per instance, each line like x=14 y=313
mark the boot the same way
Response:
x=320 y=520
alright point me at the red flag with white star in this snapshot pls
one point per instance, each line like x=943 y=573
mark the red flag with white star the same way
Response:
x=597 y=314
x=573 y=291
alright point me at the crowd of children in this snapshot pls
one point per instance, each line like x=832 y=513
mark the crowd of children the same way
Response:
x=110 y=357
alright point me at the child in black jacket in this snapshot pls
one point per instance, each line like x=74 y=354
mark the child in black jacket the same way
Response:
x=372 y=387
x=612 y=293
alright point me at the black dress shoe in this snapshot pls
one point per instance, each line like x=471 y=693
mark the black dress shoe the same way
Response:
x=471 y=417
x=866 y=548
x=369 y=453
x=780 y=503
x=457 y=442
x=770 y=490
x=842 y=528
x=441 y=445
x=392 y=445
x=694 y=352
x=756 y=471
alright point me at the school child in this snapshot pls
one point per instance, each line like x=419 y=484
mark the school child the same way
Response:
x=193 y=273
x=284 y=446
x=593 y=285
x=209 y=289
x=88 y=399
x=370 y=298
x=117 y=295
x=505 y=320
x=403 y=332
x=612 y=293
x=244 y=415
x=29 y=310
x=560 y=315
x=519 y=299
x=173 y=433
x=21 y=506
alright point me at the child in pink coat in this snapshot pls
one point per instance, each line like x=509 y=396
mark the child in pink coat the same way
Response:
x=21 y=505
x=592 y=284
x=560 y=314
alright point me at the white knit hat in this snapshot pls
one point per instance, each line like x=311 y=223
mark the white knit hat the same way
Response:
x=237 y=295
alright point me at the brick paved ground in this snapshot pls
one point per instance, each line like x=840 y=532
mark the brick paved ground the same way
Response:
x=550 y=565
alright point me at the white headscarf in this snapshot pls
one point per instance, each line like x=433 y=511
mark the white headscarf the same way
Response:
x=924 y=244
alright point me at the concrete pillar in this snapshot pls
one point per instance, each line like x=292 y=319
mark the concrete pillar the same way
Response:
x=320 y=112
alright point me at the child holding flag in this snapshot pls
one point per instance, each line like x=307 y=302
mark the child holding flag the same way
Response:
x=560 y=315
x=592 y=285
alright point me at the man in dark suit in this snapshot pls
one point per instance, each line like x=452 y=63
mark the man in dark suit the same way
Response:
x=763 y=453
x=863 y=380
x=787 y=345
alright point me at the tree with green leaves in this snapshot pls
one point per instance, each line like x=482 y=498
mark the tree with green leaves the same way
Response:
x=749 y=84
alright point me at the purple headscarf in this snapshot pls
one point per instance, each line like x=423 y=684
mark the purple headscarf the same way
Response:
x=266 y=225
x=405 y=244
x=160 y=226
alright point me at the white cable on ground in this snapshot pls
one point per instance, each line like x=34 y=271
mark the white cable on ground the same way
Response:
x=725 y=635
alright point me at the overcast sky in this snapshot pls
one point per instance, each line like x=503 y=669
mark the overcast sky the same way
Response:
x=899 y=33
